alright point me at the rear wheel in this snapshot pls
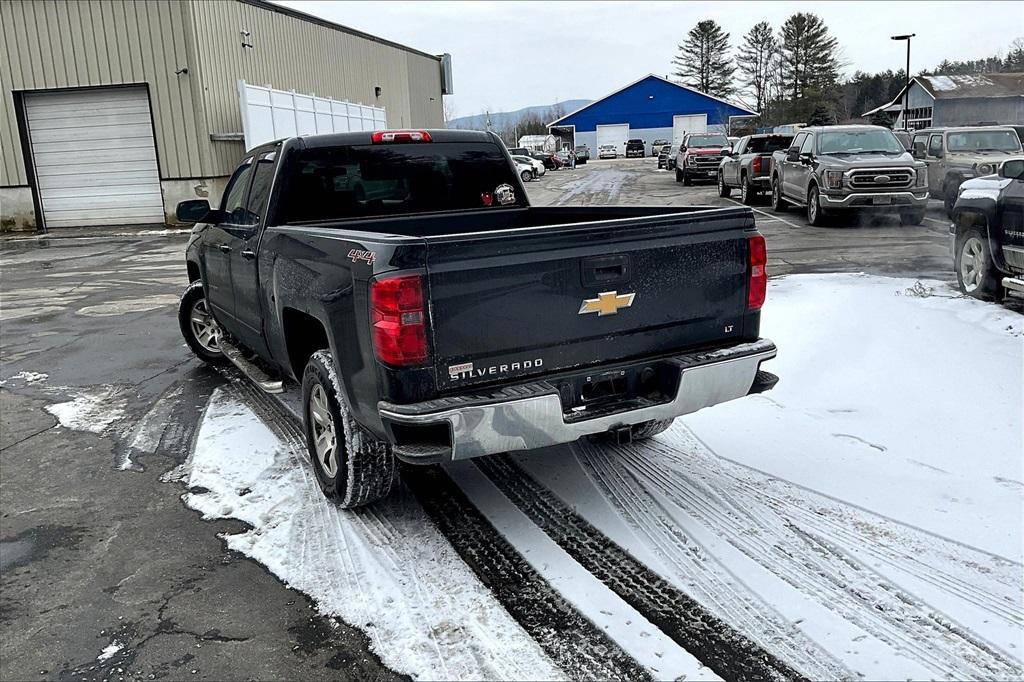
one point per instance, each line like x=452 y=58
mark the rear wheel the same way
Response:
x=747 y=193
x=526 y=176
x=351 y=466
x=778 y=203
x=974 y=270
x=723 y=189
x=201 y=331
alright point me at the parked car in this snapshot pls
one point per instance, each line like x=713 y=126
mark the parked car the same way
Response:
x=657 y=145
x=748 y=165
x=634 y=148
x=670 y=162
x=607 y=151
x=546 y=158
x=855 y=167
x=582 y=153
x=563 y=158
x=537 y=166
x=957 y=154
x=525 y=170
x=698 y=156
x=663 y=156
x=987 y=240
x=430 y=327
x=519 y=151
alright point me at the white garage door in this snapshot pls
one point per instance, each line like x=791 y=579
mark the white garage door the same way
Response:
x=613 y=134
x=94 y=157
x=688 y=123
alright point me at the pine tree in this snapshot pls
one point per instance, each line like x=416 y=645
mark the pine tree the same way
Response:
x=703 y=61
x=821 y=116
x=881 y=118
x=809 y=55
x=755 y=61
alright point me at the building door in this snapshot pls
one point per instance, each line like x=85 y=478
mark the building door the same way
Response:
x=615 y=134
x=688 y=123
x=94 y=157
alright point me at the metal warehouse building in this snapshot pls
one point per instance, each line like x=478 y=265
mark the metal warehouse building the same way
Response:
x=650 y=108
x=114 y=111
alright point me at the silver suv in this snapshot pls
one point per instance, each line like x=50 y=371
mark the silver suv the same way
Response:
x=957 y=154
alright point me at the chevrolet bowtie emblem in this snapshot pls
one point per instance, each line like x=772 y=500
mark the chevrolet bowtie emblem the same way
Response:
x=606 y=303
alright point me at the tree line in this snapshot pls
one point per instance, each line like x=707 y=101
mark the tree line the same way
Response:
x=793 y=75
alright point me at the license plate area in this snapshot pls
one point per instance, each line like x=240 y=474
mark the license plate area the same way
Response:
x=881 y=201
x=590 y=394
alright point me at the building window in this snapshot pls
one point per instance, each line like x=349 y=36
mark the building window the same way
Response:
x=919 y=118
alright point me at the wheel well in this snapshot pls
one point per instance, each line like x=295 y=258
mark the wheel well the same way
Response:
x=303 y=335
x=193 y=271
x=965 y=220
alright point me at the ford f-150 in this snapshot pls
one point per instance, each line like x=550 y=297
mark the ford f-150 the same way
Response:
x=436 y=315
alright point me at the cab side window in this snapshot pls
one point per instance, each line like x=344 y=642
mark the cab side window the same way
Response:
x=235 y=194
x=808 y=146
x=262 y=177
x=935 y=146
x=798 y=142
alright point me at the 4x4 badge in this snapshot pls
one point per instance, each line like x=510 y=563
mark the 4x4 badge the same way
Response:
x=606 y=303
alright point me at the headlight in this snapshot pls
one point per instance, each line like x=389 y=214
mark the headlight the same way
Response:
x=984 y=168
x=691 y=160
x=922 y=177
x=834 y=179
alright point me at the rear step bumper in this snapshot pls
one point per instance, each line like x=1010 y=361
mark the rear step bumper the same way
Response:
x=529 y=416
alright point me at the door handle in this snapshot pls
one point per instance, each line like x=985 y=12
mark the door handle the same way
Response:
x=224 y=248
x=248 y=254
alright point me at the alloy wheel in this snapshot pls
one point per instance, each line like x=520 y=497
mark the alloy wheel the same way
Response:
x=204 y=327
x=972 y=263
x=324 y=436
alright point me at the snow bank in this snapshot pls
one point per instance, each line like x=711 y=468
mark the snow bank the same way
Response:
x=90 y=410
x=385 y=569
x=896 y=396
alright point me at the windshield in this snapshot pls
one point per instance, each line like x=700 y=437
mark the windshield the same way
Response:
x=708 y=141
x=337 y=183
x=983 y=141
x=859 y=142
x=765 y=145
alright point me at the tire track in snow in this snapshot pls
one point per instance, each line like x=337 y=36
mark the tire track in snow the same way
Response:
x=708 y=581
x=773 y=537
x=714 y=643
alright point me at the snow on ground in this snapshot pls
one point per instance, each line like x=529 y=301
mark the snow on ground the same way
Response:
x=873 y=528
x=92 y=410
x=385 y=569
x=907 y=405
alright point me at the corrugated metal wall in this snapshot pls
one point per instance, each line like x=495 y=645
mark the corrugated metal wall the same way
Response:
x=76 y=43
x=50 y=44
x=289 y=53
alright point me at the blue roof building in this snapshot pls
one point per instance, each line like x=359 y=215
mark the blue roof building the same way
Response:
x=652 y=108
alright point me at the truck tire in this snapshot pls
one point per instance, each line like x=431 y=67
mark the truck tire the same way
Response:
x=975 y=273
x=778 y=203
x=747 y=191
x=912 y=217
x=949 y=190
x=645 y=430
x=352 y=467
x=687 y=180
x=679 y=174
x=723 y=189
x=815 y=213
x=202 y=335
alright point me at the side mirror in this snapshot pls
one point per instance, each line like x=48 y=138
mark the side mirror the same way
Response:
x=1013 y=169
x=682 y=149
x=806 y=158
x=192 y=211
x=793 y=154
x=918 y=153
x=726 y=151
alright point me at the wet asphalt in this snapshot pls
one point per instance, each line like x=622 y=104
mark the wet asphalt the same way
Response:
x=96 y=554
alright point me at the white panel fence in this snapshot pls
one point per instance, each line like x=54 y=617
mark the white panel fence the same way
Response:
x=269 y=114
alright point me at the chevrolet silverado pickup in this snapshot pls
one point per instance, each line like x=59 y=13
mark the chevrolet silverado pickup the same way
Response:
x=832 y=169
x=748 y=165
x=436 y=315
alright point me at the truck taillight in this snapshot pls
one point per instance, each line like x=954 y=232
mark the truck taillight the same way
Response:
x=398 y=317
x=388 y=136
x=755 y=165
x=758 y=257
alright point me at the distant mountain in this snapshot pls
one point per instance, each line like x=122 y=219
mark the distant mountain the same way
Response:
x=503 y=119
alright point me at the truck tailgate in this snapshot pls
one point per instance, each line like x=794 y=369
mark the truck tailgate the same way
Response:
x=532 y=301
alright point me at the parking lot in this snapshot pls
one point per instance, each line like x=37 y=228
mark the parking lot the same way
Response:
x=160 y=519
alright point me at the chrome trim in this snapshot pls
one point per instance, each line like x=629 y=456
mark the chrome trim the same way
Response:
x=1014 y=256
x=536 y=421
x=266 y=382
x=1014 y=284
x=867 y=178
x=905 y=199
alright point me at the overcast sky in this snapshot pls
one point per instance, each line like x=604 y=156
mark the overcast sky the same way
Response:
x=508 y=55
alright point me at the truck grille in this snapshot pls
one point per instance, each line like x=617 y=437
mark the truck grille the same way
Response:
x=882 y=178
x=707 y=161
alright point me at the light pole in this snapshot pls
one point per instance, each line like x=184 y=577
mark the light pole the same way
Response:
x=906 y=89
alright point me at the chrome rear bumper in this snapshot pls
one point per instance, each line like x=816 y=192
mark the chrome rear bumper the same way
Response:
x=530 y=416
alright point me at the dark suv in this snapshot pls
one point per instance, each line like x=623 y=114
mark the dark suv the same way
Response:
x=635 y=148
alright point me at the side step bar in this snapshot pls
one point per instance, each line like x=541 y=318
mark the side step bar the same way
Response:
x=256 y=375
x=1015 y=284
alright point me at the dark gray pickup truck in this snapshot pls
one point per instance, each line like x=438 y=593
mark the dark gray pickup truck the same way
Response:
x=430 y=313
x=748 y=165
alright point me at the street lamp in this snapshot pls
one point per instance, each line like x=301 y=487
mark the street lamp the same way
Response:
x=906 y=89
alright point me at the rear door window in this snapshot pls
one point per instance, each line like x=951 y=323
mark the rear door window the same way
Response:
x=935 y=145
x=338 y=183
